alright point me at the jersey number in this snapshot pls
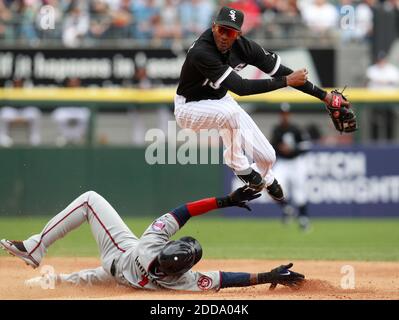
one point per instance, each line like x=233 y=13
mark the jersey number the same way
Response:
x=211 y=84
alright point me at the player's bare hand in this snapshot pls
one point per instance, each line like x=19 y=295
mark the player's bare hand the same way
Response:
x=297 y=78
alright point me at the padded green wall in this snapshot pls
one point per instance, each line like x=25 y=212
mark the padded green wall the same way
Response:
x=42 y=181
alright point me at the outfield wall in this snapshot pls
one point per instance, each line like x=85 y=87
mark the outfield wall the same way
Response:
x=43 y=181
x=354 y=181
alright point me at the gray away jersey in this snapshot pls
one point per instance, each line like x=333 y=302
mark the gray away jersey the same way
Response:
x=132 y=268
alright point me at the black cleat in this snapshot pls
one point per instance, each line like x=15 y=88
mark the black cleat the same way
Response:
x=275 y=191
x=254 y=180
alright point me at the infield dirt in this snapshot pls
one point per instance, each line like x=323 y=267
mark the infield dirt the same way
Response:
x=373 y=280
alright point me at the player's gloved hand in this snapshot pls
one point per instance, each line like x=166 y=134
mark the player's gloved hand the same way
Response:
x=329 y=98
x=340 y=112
x=242 y=195
x=282 y=275
x=239 y=198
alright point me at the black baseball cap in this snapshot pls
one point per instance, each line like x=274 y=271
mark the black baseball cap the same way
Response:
x=230 y=17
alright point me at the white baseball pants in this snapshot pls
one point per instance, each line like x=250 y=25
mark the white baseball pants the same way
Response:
x=242 y=139
x=292 y=176
x=112 y=235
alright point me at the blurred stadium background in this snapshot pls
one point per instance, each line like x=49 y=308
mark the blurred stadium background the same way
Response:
x=81 y=82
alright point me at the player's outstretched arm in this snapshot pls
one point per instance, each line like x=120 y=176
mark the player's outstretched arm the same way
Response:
x=280 y=275
x=245 y=87
x=239 y=197
x=298 y=80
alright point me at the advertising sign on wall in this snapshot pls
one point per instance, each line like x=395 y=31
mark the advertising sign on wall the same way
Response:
x=341 y=182
x=105 y=67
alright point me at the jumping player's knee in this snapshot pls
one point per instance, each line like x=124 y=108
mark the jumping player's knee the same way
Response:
x=267 y=160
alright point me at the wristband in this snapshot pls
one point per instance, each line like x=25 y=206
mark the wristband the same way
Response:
x=265 y=277
x=223 y=202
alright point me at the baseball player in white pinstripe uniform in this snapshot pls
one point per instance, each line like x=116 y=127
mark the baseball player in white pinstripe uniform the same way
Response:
x=202 y=101
x=291 y=143
x=153 y=261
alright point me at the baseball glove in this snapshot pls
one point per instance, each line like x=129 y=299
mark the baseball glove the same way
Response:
x=341 y=112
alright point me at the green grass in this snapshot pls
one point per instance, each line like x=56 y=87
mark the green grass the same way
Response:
x=344 y=239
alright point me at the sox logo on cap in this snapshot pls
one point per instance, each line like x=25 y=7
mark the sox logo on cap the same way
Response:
x=232 y=15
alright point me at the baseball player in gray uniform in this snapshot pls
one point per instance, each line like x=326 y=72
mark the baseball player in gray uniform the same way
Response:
x=152 y=261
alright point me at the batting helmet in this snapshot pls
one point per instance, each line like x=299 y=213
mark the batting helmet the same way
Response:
x=177 y=257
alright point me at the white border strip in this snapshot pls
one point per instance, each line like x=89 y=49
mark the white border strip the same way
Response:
x=224 y=76
x=277 y=65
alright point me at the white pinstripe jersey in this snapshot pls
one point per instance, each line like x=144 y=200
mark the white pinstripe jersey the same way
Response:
x=205 y=67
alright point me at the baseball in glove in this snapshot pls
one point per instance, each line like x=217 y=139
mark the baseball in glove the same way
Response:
x=341 y=112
